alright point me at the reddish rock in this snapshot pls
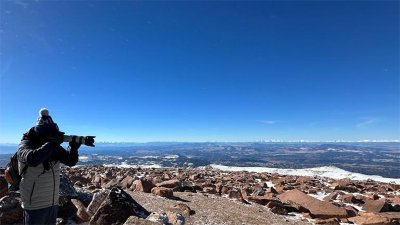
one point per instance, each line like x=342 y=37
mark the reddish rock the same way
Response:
x=261 y=199
x=193 y=177
x=312 y=191
x=369 y=219
x=224 y=190
x=127 y=182
x=218 y=187
x=209 y=190
x=341 y=182
x=79 y=178
x=317 y=208
x=362 y=199
x=162 y=191
x=395 y=186
x=175 y=218
x=279 y=189
x=169 y=184
x=348 y=198
x=81 y=214
x=234 y=194
x=331 y=221
x=112 y=183
x=142 y=185
x=376 y=206
x=182 y=209
x=393 y=216
x=332 y=196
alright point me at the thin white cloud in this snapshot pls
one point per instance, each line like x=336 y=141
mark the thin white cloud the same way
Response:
x=269 y=122
x=22 y=4
x=366 y=121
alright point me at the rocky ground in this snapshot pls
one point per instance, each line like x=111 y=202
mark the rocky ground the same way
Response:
x=110 y=195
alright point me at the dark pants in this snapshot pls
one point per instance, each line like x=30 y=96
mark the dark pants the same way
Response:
x=45 y=216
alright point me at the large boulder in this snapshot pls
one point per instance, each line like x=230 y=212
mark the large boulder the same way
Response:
x=331 y=221
x=84 y=196
x=10 y=210
x=142 y=185
x=169 y=184
x=370 y=219
x=67 y=189
x=117 y=208
x=81 y=214
x=181 y=208
x=175 y=218
x=98 y=198
x=376 y=206
x=127 y=182
x=317 y=208
x=162 y=191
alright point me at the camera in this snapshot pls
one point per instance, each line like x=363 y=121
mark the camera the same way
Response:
x=60 y=137
x=85 y=140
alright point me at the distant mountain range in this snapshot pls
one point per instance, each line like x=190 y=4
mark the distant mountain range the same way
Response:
x=370 y=158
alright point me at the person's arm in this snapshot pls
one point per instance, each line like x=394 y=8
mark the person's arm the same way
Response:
x=69 y=158
x=34 y=156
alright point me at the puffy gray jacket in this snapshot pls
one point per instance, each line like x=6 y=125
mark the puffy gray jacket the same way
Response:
x=40 y=183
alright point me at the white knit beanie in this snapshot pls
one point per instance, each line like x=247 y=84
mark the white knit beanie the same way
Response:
x=44 y=117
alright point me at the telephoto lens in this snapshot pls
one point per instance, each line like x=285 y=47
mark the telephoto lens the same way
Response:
x=85 y=140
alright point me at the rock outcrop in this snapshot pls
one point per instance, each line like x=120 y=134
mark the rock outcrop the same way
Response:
x=116 y=208
x=316 y=208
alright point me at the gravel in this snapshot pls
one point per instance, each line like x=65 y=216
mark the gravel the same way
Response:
x=215 y=210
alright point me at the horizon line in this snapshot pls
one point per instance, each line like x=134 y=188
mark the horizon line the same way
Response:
x=256 y=141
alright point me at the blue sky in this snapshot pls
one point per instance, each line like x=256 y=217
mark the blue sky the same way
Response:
x=202 y=71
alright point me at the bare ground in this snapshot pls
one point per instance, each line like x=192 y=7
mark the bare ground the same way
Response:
x=215 y=210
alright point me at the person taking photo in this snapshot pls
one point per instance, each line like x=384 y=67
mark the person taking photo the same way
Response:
x=40 y=153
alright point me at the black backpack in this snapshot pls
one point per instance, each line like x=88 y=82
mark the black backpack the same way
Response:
x=12 y=174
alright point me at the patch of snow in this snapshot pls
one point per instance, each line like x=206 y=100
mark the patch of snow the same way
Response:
x=270 y=184
x=125 y=165
x=319 y=195
x=149 y=157
x=325 y=171
x=84 y=158
x=171 y=157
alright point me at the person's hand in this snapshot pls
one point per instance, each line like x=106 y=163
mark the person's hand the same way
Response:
x=74 y=145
